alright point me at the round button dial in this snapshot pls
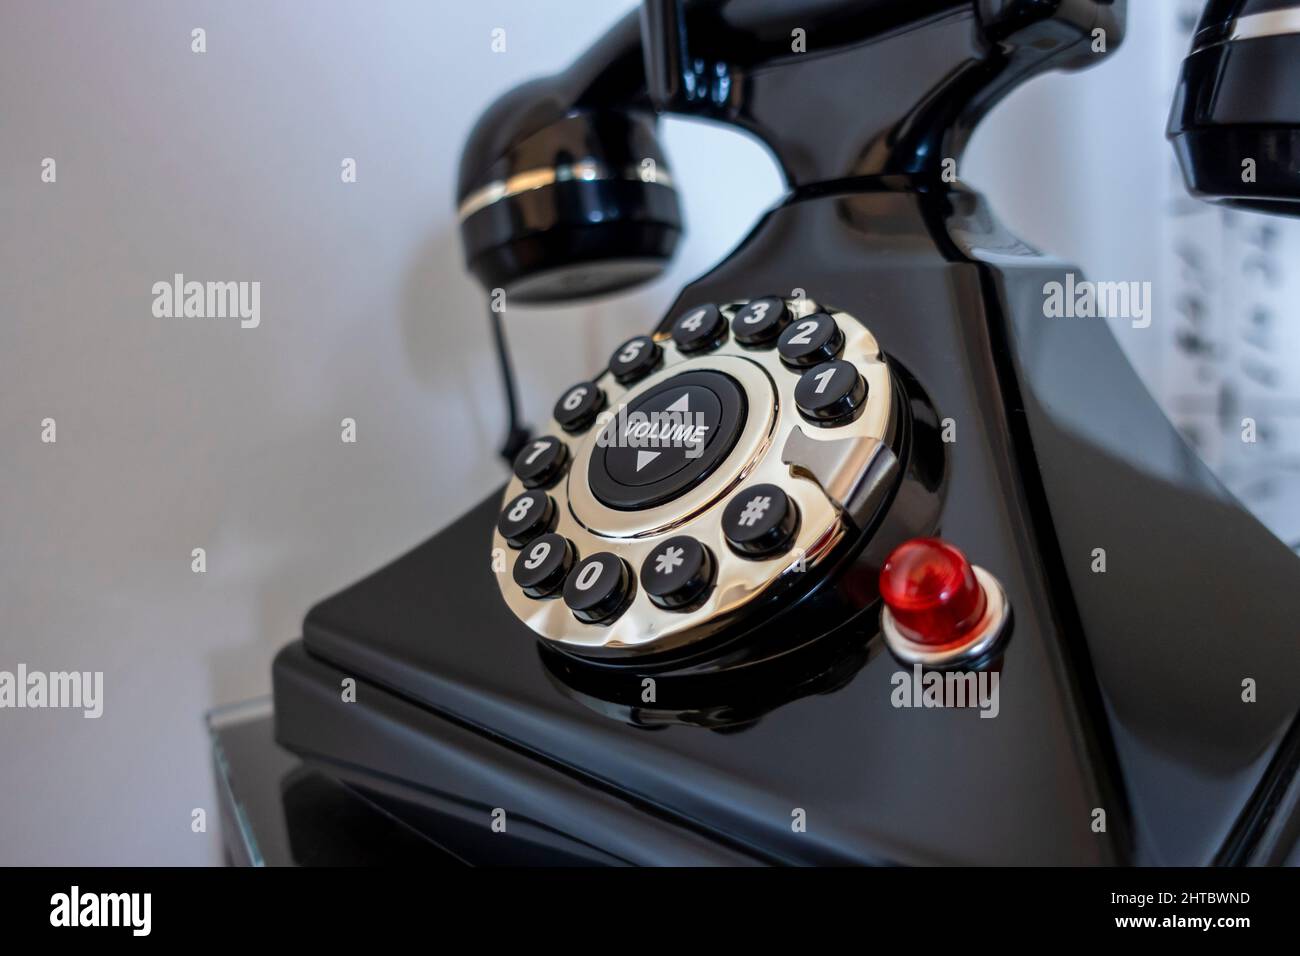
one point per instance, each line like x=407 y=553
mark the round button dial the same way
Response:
x=525 y=517
x=760 y=521
x=541 y=567
x=597 y=587
x=667 y=441
x=635 y=359
x=541 y=461
x=830 y=393
x=678 y=572
x=578 y=406
x=810 y=341
x=701 y=328
x=760 y=321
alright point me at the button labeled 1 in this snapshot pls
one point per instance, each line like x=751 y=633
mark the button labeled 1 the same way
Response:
x=830 y=393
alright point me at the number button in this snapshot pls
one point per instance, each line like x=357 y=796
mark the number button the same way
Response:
x=577 y=408
x=810 y=341
x=830 y=393
x=525 y=517
x=678 y=573
x=760 y=522
x=699 y=329
x=541 y=567
x=541 y=461
x=635 y=359
x=760 y=322
x=598 y=587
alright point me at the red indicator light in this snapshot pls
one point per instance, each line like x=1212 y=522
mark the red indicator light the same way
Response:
x=931 y=590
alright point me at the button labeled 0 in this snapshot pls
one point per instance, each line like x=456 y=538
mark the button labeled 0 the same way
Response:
x=598 y=587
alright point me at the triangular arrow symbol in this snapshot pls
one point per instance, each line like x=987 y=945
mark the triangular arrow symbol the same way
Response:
x=644 y=458
x=681 y=405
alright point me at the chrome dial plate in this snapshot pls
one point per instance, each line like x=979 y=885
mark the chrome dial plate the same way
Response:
x=817 y=466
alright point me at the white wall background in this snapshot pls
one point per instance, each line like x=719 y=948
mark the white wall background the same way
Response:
x=175 y=434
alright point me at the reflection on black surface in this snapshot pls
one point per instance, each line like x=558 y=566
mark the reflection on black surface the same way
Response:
x=727 y=703
x=330 y=825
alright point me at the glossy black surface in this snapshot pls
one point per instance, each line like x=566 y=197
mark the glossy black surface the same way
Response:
x=943 y=63
x=1119 y=690
x=1204 y=592
x=447 y=781
x=277 y=811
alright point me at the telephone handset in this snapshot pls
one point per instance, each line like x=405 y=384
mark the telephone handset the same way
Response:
x=565 y=193
x=851 y=456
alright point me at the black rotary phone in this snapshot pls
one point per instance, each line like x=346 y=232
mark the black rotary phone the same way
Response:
x=714 y=613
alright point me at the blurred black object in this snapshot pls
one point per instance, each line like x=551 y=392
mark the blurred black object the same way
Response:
x=1235 y=124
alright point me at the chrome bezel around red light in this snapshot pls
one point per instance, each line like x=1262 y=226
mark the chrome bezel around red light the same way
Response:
x=974 y=644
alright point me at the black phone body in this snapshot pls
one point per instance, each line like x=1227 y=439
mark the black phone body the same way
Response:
x=1148 y=694
x=1121 y=690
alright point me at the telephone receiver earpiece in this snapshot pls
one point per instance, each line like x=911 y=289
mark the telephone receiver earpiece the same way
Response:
x=564 y=191
x=1235 y=123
